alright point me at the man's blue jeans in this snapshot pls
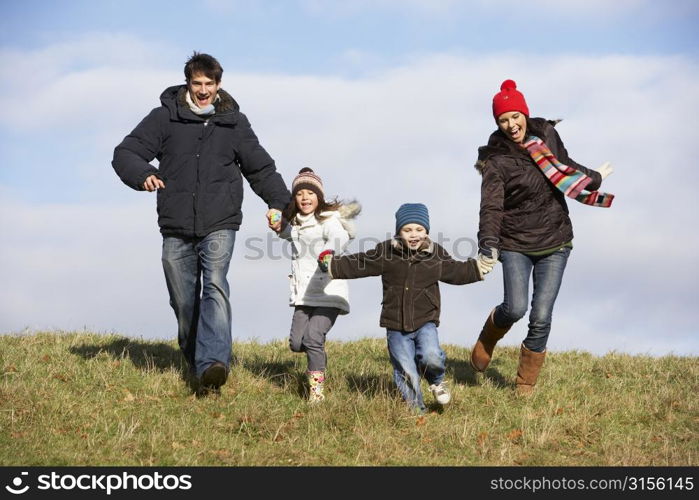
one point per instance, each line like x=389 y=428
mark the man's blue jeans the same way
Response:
x=413 y=354
x=547 y=272
x=195 y=272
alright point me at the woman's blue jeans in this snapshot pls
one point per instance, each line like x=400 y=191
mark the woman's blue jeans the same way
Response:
x=413 y=354
x=195 y=272
x=547 y=273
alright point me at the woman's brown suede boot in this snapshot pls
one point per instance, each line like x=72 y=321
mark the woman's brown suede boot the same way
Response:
x=530 y=363
x=483 y=350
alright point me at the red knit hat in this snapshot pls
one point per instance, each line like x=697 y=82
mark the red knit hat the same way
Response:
x=509 y=99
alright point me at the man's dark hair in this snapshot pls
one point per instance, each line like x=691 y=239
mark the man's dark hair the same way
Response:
x=204 y=64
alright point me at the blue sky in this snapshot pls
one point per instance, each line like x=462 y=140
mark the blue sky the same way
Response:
x=388 y=100
x=300 y=36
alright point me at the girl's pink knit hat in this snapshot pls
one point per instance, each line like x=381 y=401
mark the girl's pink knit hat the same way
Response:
x=307 y=179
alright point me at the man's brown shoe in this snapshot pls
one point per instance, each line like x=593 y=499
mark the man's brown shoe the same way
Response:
x=214 y=376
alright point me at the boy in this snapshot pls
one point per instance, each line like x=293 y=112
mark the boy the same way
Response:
x=410 y=266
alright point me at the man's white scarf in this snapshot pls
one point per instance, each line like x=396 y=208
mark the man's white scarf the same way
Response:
x=205 y=111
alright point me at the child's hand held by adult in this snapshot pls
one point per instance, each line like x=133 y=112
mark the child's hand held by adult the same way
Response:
x=274 y=220
x=485 y=263
x=324 y=259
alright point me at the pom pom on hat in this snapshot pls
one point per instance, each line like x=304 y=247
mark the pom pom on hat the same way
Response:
x=307 y=179
x=508 y=85
x=509 y=99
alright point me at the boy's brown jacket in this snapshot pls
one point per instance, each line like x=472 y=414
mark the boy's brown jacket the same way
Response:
x=410 y=279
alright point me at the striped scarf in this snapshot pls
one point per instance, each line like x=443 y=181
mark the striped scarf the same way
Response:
x=569 y=181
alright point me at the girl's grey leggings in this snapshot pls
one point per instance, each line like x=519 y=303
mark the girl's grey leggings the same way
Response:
x=309 y=326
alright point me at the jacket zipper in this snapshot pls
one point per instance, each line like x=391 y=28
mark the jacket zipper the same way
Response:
x=407 y=317
x=196 y=185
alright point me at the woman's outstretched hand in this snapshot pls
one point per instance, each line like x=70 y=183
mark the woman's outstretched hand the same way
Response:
x=605 y=170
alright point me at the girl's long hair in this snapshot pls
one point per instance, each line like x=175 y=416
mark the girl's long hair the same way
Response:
x=292 y=210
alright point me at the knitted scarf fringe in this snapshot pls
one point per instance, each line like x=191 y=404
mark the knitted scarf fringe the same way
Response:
x=568 y=180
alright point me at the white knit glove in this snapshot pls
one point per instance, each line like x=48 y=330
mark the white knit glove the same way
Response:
x=605 y=170
x=486 y=264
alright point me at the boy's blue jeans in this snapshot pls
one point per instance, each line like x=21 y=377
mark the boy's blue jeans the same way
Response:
x=413 y=354
x=195 y=272
x=547 y=273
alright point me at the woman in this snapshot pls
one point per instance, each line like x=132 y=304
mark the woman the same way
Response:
x=524 y=223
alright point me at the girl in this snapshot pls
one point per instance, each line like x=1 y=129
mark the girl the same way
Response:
x=313 y=226
x=527 y=175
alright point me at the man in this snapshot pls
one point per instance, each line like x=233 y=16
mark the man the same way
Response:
x=203 y=144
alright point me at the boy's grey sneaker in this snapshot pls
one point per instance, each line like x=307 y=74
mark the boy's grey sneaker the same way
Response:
x=441 y=393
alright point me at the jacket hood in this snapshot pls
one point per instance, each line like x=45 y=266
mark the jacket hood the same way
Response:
x=350 y=210
x=173 y=98
x=345 y=214
x=499 y=144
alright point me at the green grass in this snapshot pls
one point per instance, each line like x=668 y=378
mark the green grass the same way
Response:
x=90 y=399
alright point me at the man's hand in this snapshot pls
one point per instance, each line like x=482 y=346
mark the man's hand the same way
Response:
x=153 y=183
x=274 y=219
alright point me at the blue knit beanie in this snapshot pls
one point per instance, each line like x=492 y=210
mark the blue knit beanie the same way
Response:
x=412 y=213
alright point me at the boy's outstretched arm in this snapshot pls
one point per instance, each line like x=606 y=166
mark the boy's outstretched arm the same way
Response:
x=456 y=272
x=357 y=265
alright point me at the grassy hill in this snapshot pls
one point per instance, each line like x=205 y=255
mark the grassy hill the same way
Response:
x=90 y=399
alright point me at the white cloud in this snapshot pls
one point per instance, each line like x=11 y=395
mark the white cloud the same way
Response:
x=69 y=266
x=83 y=81
x=85 y=50
x=406 y=134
